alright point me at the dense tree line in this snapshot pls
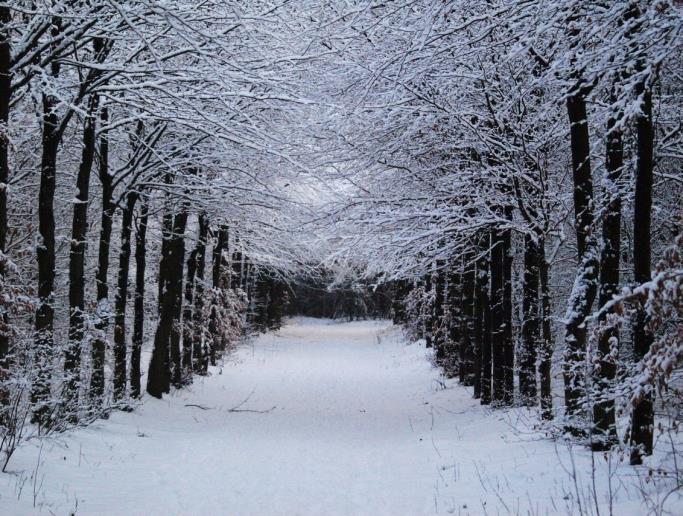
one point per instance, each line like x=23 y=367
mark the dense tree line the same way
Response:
x=320 y=294
x=516 y=170
x=508 y=172
x=137 y=146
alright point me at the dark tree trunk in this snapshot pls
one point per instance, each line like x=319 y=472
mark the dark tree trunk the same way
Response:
x=429 y=311
x=455 y=320
x=482 y=316
x=175 y=286
x=99 y=345
x=248 y=279
x=236 y=276
x=187 y=316
x=158 y=376
x=642 y=424
x=45 y=251
x=467 y=351
x=508 y=340
x=218 y=258
x=211 y=354
x=79 y=230
x=476 y=327
x=401 y=290
x=585 y=285
x=172 y=258
x=197 y=314
x=581 y=167
x=497 y=316
x=278 y=300
x=139 y=316
x=438 y=322
x=530 y=322
x=261 y=299
x=221 y=279
x=249 y=282
x=163 y=271
x=72 y=353
x=166 y=237
x=604 y=434
x=546 y=351
x=122 y=297
x=5 y=95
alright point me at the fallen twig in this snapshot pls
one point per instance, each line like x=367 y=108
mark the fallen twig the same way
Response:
x=254 y=411
x=198 y=406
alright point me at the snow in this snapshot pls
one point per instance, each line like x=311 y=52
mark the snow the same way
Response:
x=321 y=417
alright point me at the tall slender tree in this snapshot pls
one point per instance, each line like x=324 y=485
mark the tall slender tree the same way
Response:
x=5 y=96
x=188 y=322
x=121 y=299
x=604 y=433
x=530 y=320
x=45 y=249
x=585 y=285
x=99 y=344
x=72 y=355
x=642 y=424
x=139 y=308
x=482 y=316
x=200 y=289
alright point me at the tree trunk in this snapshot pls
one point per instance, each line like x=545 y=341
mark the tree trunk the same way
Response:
x=221 y=279
x=546 y=352
x=122 y=298
x=401 y=289
x=585 y=285
x=197 y=314
x=79 y=230
x=497 y=316
x=166 y=237
x=139 y=316
x=508 y=340
x=218 y=259
x=454 y=306
x=5 y=95
x=482 y=329
x=453 y=337
x=175 y=286
x=530 y=322
x=642 y=423
x=159 y=377
x=236 y=276
x=172 y=258
x=475 y=329
x=438 y=323
x=99 y=345
x=428 y=310
x=244 y=274
x=604 y=434
x=187 y=316
x=45 y=251
x=467 y=351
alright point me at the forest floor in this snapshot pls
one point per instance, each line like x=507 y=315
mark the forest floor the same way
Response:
x=319 y=418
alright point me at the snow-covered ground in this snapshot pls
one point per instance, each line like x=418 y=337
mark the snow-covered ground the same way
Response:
x=319 y=418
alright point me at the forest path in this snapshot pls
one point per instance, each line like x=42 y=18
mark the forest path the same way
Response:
x=319 y=418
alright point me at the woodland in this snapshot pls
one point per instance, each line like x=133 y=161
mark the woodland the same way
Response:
x=502 y=179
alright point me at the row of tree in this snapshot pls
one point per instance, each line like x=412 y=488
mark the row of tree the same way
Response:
x=517 y=172
x=511 y=168
x=140 y=127
x=323 y=294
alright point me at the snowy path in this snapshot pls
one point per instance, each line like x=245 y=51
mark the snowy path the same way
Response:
x=332 y=419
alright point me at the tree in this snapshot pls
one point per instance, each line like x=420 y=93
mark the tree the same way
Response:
x=139 y=317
